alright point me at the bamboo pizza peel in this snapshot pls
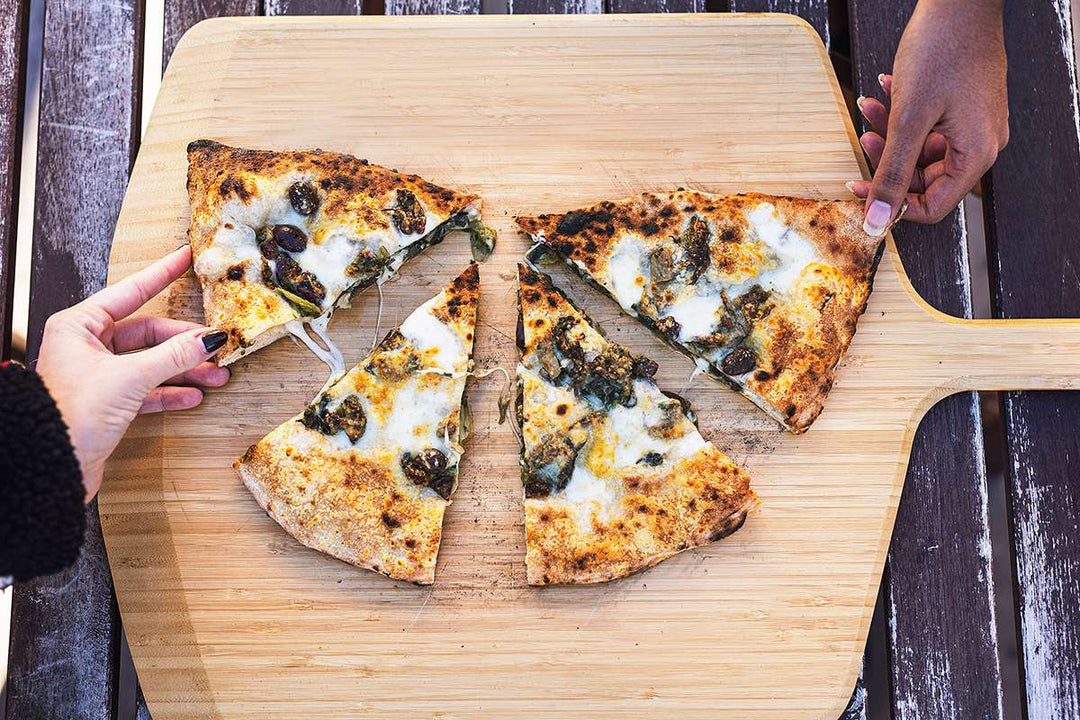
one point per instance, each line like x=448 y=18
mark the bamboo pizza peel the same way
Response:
x=229 y=617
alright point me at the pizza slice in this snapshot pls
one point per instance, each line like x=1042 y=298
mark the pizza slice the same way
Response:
x=616 y=475
x=763 y=292
x=366 y=471
x=280 y=239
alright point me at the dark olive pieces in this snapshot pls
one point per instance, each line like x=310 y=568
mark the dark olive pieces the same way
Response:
x=348 y=416
x=303 y=198
x=408 y=215
x=428 y=468
x=289 y=238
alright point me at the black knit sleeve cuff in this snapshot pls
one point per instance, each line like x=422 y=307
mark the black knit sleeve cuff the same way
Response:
x=42 y=516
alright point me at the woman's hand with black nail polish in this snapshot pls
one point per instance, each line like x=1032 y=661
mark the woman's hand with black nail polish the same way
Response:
x=103 y=367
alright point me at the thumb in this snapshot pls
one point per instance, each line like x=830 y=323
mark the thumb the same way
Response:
x=904 y=141
x=177 y=355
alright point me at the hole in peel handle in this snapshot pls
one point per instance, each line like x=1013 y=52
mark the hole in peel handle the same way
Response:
x=1036 y=354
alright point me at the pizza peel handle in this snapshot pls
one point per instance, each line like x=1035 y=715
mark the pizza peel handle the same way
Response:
x=1014 y=354
x=951 y=354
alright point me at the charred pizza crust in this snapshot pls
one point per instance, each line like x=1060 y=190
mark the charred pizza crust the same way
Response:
x=365 y=473
x=763 y=291
x=281 y=236
x=616 y=475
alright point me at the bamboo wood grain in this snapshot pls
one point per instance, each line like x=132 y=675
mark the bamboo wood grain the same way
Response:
x=229 y=617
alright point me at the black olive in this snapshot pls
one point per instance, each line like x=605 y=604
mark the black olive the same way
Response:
x=644 y=367
x=303 y=198
x=298 y=281
x=289 y=238
x=652 y=459
x=267 y=247
x=425 y=467
x=236 y=272
x=739 y=361
x=520 y=338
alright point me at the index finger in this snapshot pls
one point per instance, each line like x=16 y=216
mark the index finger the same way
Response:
x=131 y=293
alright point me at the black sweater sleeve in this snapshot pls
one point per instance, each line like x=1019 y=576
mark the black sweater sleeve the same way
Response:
x=42 y=518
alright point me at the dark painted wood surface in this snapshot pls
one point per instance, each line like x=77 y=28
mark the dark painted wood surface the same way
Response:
x=13 y=18
x=548 y=7
x=313 y=7
x=939 y=586
x=815 y=12
x=432 y=7
x=1033 y=213
x=65 y=628
x=653 y=6
x=181 y=15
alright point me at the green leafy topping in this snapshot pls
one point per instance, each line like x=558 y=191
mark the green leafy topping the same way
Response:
x=542 y=255
x=305 y=307
x=482 y=238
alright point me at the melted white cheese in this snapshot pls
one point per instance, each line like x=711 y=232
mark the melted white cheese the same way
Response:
x=790 y=251
x=411 y=425
x=696 y=314
x=586 y=493
x=229 y=247
x=627 y=270
x=630 y=427
x=330 y=355
x=427 y=332
x=327 y=261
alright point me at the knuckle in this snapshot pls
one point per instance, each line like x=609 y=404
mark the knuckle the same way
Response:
x=179 y=354
x=891 y=178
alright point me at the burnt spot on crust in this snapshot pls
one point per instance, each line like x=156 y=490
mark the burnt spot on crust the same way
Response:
x=389 y=521
x=235 y=186
x=462 y=297
x=226 y=172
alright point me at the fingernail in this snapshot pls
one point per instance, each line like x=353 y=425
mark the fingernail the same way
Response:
x=850 y=185
x=881 y=79
x=877 y=218
x=212 y=341
x=859 y=101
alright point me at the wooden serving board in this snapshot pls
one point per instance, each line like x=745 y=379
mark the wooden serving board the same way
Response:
x=227 y=616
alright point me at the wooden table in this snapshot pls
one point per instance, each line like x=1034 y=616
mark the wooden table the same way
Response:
x=67 y=655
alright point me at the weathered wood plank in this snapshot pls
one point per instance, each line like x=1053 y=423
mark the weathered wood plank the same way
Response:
x=942 y=632
x=180 y=15
x=432 y=7
x=655 y=6
x=1033 y=213
x=815 y=12
x=313 y=7
x=551 y=7
x=65 y=628
x=13 y=17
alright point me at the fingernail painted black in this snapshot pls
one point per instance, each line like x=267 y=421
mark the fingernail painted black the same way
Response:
x=214 y=340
